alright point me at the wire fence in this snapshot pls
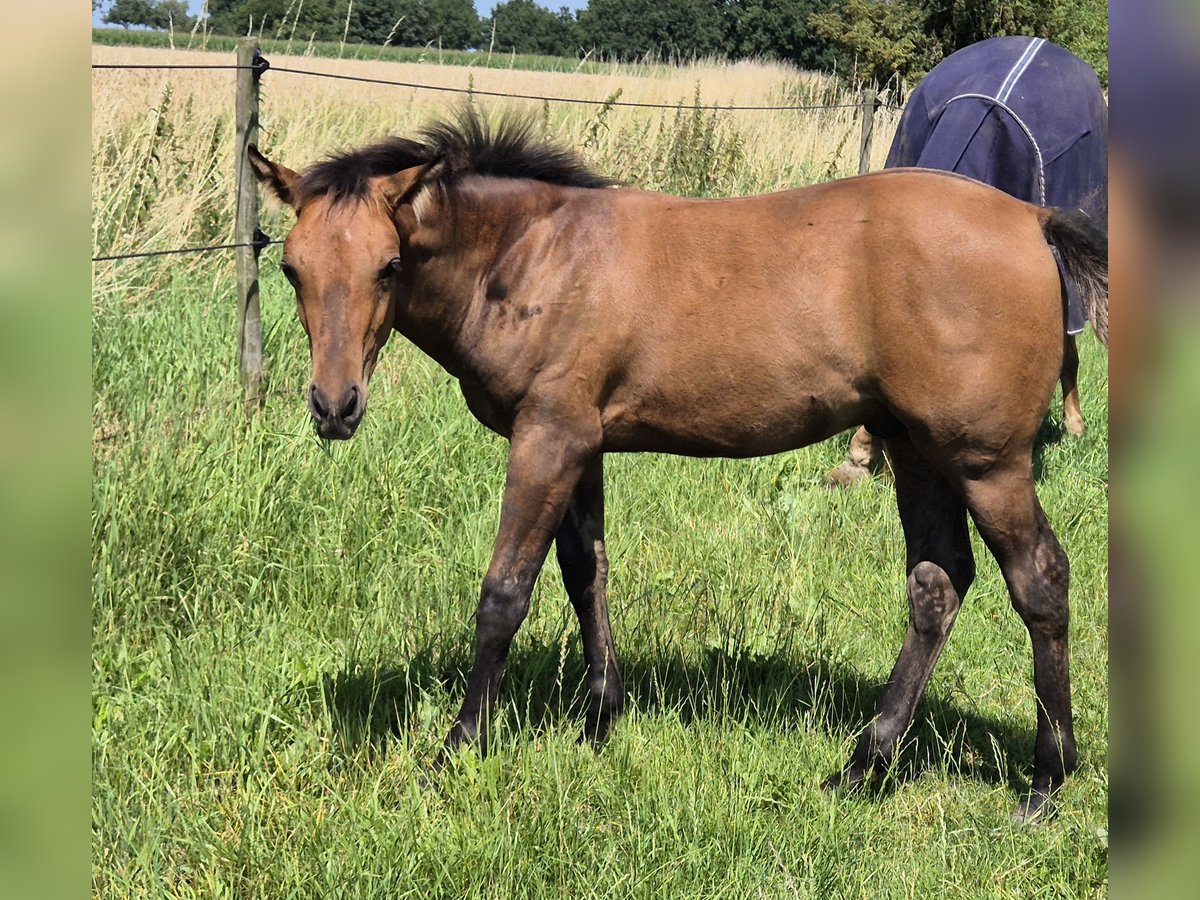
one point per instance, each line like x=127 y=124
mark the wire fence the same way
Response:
x=257 y=245
x=230 y=66
x=261 y=65
x=591 y=101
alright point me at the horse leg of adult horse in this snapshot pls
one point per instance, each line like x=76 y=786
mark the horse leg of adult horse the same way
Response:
x=581 y=556
x=1072 y=416
x=865 y=457
x=1010 y=520
x=544 y=465
x=940 y=569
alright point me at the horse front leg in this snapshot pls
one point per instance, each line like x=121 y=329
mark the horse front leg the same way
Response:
x=544 y=465
x=584 y=564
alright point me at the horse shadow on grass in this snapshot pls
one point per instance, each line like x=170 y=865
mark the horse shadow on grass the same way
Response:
x=371 y=704
x=1051 y=433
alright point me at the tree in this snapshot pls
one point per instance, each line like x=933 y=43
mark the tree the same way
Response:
x=372 y=21
x=1082 y=27
x=325 y=18
x=452 y=24
x=909 y=37
x=151 y=13
x=522 y=26
x=879 y=40
x=777 y=29
x=959 y=23
x=242 y=16
x=631 y=29
x=128 y=12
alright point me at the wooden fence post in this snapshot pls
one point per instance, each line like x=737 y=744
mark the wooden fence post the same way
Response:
x=249 y=318
x=870 y=102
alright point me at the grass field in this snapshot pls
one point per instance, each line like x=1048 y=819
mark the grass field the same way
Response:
x=281 y=629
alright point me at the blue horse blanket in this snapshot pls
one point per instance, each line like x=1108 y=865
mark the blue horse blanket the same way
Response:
x=1021 y=114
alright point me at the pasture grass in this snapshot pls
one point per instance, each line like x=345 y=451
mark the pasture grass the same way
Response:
x=281 y=629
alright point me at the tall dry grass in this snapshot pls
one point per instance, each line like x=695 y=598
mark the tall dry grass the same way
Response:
x=162 y=141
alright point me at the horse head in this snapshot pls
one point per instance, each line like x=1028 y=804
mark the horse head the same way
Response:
x=344 y=257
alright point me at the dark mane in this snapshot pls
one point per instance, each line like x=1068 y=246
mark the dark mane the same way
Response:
x=466 y=145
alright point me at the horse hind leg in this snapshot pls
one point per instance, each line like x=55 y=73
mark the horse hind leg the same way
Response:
x=1014 y=527
x=1072 y=416
x=940 y=569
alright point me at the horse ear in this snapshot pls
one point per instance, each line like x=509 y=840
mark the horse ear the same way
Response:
x=404 y=185
x=280 y=180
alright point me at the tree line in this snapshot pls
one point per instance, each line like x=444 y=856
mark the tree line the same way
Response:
x=868 y=39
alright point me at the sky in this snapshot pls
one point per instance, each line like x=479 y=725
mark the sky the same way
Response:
x=483 y=7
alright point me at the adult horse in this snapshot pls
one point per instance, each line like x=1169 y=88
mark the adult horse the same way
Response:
x=1026 y=116
x=581 y=321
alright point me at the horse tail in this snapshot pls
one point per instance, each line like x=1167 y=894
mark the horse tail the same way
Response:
x=1083 y=248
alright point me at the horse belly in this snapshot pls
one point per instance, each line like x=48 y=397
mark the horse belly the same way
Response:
x=770 y=373
x=737 y=425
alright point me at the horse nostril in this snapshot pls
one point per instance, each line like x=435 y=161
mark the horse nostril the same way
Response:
x=350 y=403
x=319 y=409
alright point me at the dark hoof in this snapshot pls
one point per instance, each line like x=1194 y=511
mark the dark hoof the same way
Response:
x=590 y=741
x=596 y=731
x=1036 y=809
x=847 y=781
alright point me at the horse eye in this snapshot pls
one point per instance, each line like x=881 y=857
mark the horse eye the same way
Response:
x=390 y=269
x=289 y=273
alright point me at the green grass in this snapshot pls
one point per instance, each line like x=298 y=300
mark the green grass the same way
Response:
x=281 y=631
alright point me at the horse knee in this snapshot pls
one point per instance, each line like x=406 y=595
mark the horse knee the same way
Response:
x=1040 y=598
x=1050 y=560
x=1044 y=611
x=502 y=608
x=933 y=601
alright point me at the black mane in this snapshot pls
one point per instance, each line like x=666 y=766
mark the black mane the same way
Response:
x=467 y=145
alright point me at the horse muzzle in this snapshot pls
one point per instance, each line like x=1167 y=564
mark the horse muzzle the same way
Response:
x=336 y=420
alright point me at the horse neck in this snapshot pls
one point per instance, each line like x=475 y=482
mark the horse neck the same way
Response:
x=464 y=236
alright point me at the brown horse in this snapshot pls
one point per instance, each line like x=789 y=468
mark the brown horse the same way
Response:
x=581 y=321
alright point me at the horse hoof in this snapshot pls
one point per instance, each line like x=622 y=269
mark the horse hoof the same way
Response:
x=846 y=474
x=833 y=784
x=590 y=741
x=1036 y=809
x=1075 y=427
x=845 y=782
